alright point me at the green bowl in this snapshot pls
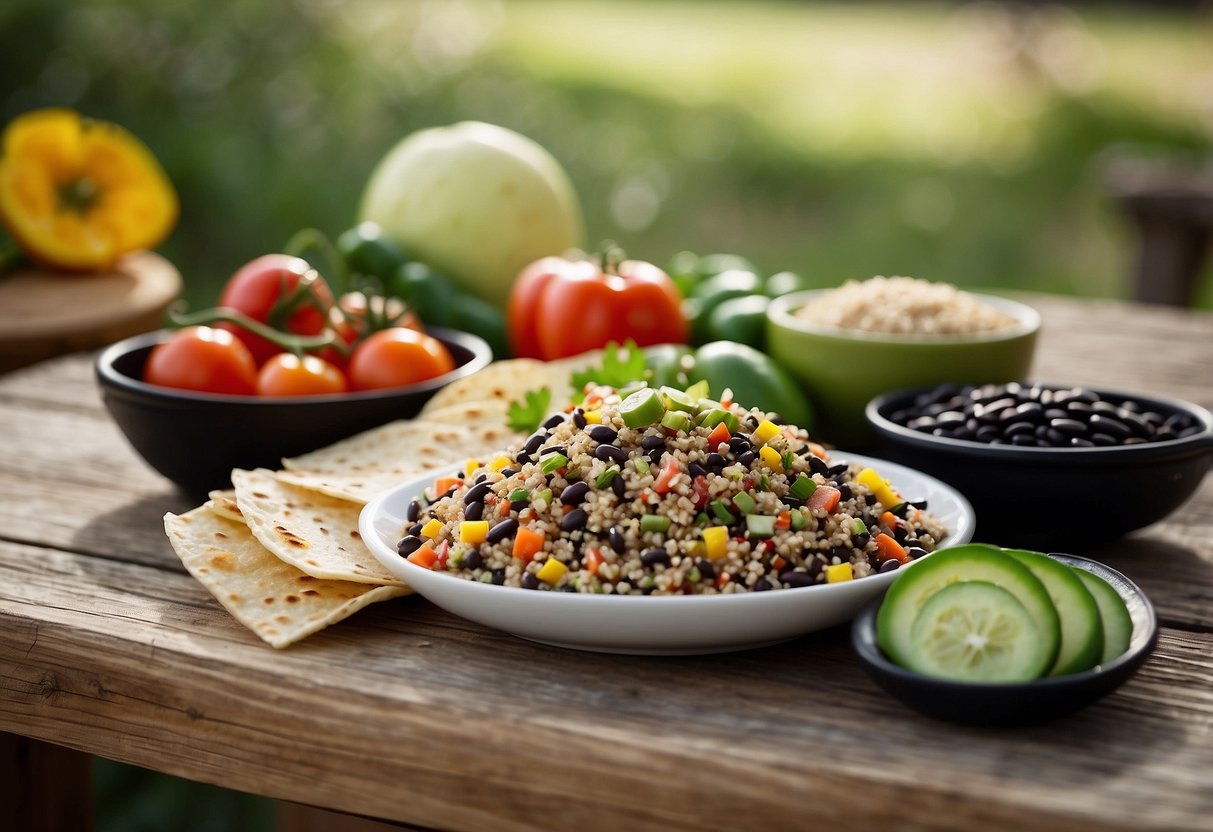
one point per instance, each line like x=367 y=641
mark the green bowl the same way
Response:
x=842 y=370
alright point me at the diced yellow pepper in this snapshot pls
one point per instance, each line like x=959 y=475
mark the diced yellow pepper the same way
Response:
x=593 y=417
x=473 y=531
x=432 y=529
x=838 y=572
x=766 y=431
x=499 y=463
x=551 y=572
x=715 y=542
x=471 y=467
x=772 y=458
x=879 y=486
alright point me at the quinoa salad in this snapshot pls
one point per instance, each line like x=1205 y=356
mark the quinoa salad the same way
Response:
x=664 y=492
x=904 y=306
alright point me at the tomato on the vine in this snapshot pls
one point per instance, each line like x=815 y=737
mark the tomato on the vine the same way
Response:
x=396 y=357
x=203 y=358
x=287 y=374
x=561 y=307
x=281 y=291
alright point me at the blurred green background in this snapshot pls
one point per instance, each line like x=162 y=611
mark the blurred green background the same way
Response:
x=956 y=142
x=963 y=142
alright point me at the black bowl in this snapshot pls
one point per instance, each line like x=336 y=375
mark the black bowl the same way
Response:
x=196 y=439
x=1054 y=498
x=1024 y=703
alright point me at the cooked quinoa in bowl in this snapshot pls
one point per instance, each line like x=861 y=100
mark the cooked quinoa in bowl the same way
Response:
x=904 y=306
x=661 y=492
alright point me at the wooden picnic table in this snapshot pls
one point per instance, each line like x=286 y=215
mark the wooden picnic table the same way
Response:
x=407 y=713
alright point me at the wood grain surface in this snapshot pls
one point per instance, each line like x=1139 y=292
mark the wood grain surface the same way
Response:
x=409 y=714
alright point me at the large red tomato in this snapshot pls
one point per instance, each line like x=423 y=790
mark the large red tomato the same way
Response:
x=269 y=290
x=562 y=307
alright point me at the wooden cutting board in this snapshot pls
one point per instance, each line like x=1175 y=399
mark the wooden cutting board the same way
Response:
x=44 y=313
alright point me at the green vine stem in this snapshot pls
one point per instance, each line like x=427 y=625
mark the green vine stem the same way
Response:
x=288 y=341
x=309 y=240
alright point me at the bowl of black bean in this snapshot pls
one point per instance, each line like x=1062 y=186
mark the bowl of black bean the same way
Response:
x=1046 y=465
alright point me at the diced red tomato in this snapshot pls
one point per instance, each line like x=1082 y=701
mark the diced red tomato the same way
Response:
x=700 y=485
x=672 y=469
x=425 y=557
x=784 y=520
x=592 y=559
x=825 y=497
x=719 y=434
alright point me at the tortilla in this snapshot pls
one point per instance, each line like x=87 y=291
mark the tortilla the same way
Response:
x=504 y=381
x=223 y=503
x=273 y=599
x=359 y=468
x=313 y=532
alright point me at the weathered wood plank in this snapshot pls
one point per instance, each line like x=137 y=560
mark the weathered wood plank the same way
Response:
x=483 y=731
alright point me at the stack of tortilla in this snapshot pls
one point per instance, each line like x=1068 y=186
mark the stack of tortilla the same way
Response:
x=282 y=551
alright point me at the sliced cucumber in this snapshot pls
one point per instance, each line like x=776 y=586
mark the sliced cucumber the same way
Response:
x=974 y=631
x=1081 y=627
x=1117 y=625
x=920 y=580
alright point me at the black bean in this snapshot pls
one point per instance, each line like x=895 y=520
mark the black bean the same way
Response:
x=508 y=472
x=574 y=520
x=554 y=420
x=923 y=423
x=1079 y=410
x=716 y=462
x=477 y=493
x=473 y=512
x=1134 y=440
x=617 y=486
x=1023 y=439
x=791 y=501
x=1055 y=437
x=575 y=493
x=471 y=559
x=1105 y=407
x=652 y=442
x=655 y=456
x=1103 y=423
x=1136 y=424
x=1190 y=431
x=792 y=578
x=529 y=581
x=1032 y=411
x=844 y=492
x=762 y=585
x=449 y=491
x=706 y=570
x=817 y=465
x=1069 y=427
x=413 y=511
x=889 y=565
x=609 y=453
x=552 y=449
x=534 y=442
x=1056 y=413
x=579 y=418
x=650 y=557
x=951 y=419
x=991 y=410
x=498 y=576
x=838 y=470
x=1081 y=442
x=1017 y=428
x=916 y=552
x=519 y=505
x=408 y=544
x=603 y=435
x=500 y=531
x=414 y=529
x=696 y=469
x=986 y=433
x=615 y=538
x=747 y=459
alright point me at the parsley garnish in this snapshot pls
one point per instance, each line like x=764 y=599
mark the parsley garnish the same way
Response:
x=620 y=366
x=525 y=416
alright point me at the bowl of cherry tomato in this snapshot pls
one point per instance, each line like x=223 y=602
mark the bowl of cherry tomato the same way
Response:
x=195 y=438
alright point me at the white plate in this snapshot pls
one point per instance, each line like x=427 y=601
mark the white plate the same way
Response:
x=669 y=625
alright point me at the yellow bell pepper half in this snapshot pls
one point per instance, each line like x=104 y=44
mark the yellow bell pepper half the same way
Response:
x=77 y=194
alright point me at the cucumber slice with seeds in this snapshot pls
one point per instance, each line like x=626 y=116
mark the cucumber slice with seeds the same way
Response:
x=1117 y=625
x=974 y=631
x=1081 y=627
x=921 y=579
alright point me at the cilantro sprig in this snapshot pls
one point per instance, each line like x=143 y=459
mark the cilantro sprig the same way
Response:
x=621 y=365
x=526 y=415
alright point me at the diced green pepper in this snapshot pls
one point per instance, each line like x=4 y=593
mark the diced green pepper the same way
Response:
x=721 y=511
x=712 y=418
x=694 y=575
x=699 y=390
x=744 y=502
x=803 y=488
x=676 y=420
x=654 y=523
x=858 y=526
x=553 y=461
x=799 y=521
x=604 y=479
x=702 y=519
x=642 y=465
x=642 y=408
x=677 y=400
x=543 y=496
x=760 y=525
x=519 y=494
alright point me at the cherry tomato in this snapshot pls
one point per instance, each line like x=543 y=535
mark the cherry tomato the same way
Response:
x=396 y=357
x=562 y=307
x=287 y=374
x=268 y=290
x=203 y=358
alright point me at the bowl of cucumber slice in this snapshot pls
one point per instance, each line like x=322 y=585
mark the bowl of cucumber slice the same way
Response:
x=989 y=636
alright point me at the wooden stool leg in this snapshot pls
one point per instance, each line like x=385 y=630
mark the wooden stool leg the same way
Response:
x=44 y=787
x=1169 y=261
